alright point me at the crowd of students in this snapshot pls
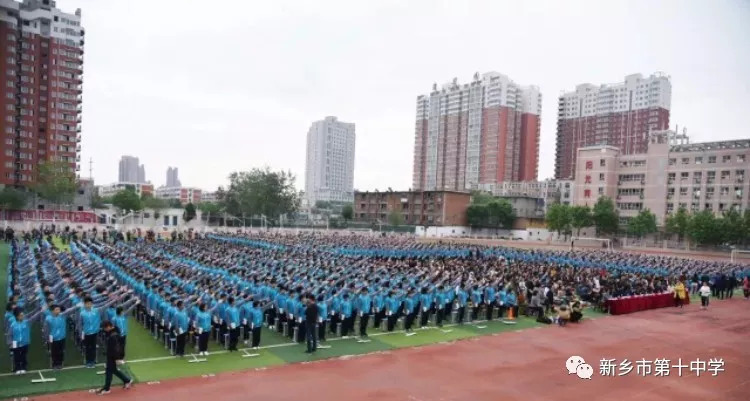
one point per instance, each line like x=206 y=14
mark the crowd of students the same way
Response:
x=230 y=285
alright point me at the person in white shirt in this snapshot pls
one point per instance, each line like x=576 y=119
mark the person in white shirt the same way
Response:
x=705 y=292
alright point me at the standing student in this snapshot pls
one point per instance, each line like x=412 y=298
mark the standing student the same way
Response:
x=232 y=320
x=113 y=354
x=425 y=305
x=203 y=328
x=365 y=307
x=322 y=315
x=56 y=325
x=440 y=302
x=311 y=318
x=705 y=292
x=410 y=309
x=256 y=324
x=246 y=315
x=347 y=316
x=181 y=324
x=461 y=299
x=121 y=323
x=91 y=322
x=378 y=303
x=20 y=330
x=476 y=300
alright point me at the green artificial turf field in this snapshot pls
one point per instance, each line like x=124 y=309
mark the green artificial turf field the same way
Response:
x=149 y=361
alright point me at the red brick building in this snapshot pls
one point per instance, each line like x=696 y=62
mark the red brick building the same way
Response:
x=432 y=208
x=41 y=51
x=484 y=132
x=620 y=115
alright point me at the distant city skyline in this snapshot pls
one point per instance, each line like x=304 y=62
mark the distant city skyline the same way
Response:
x=131 y=170
x=329 y=167
x=201 y=116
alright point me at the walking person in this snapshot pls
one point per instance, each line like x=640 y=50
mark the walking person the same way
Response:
x=679 y=294
x=705 y=292
x=114 y=353
x=311 y=319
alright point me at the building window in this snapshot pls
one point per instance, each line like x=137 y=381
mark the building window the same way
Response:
x=684 y=177
x=740 y=158
x=710 y=177
x=726 y=159
x=711 y=159
x=670 y=178
x=683 y=191
x=601 y=191
x=602 y=163
x=601 y=176
x=725 y=175
x=685 y=160
x=586 y=193
x=698 y=160
x=672 y=161
x=589 y=165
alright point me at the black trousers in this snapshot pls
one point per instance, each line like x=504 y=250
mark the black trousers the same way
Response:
x=180 y=344
x=89 y=344
x=222 y=331
x=363 y=320
x=474 y=312
x=334 y=321
x=347 y=324
x=256 y=336
x=19 y=358
x=203 y=341
x=246 y=335
x=440 y=317
x=409 y=320
x=123 y=343
x=730 y=292
x=234 y=335
x=57 y=352
x=490 y=306
x=391 y=321
x=311 y=336
x=322 y=331
x=110 y=371
x=301 y=332
x=461 y=311
x=704 y=301
x=379 y=317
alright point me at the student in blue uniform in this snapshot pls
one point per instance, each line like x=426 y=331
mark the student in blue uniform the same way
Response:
x=20 y=330
x=392 y=305
x=461 y=300
x=181 y=324
x=410 y=310
x=232 y=320
x=364 y=305
x=203 y=328
x=322 y=318
x=347 y=316
x=256 y=324
x=56 y=326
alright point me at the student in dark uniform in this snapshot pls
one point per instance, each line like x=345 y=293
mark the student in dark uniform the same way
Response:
x=311 y=319
x=114 y=353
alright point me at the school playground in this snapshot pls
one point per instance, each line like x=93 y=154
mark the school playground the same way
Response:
x=491 y=361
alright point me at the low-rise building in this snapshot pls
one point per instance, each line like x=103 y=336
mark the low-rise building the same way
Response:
x=670 y=175
x=184 y=194
x=431 y=208
x=106 y=191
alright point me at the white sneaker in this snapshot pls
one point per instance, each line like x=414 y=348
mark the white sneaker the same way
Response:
x=19 y=372
x=205 y=353
x=245 y=342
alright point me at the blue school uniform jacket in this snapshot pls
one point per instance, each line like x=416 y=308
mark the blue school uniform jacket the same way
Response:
x=257 y=317
x=20 y=332
x=346 y=308
x=56 y=326
x=203 y=321
x=232 y=316
x=91 y=321
x=121 y=322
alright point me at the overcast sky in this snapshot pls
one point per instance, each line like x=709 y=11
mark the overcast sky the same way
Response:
x=217 y=86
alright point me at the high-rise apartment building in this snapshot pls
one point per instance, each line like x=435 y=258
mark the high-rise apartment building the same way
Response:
x=131 y=171
x=329 y=169
x=483 y=132
x=41 y=53
x=172 y=178
x=620 y=115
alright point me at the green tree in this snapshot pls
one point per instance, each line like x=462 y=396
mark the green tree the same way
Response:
x=127 y=201
x=189 y=213
x=395 y=218
x=704 y=228
x=481 y=198
x=500 y=213
x=97 y=201
x=12 y=199
x=347 y=212
x=174 y=203
x=477 y=215
x=732 y=227
x=678 y=223
x=154 y=203
x=604 y=216
x=746 y=221
x=580 y=217
x=558 y=218
x=642 y=224
x=261 y=192
x=55 y=182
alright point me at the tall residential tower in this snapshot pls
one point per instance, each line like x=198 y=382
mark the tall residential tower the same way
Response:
x=131 y=171
x=620 y=115
x=41 y=53
x=329 y=169
x=483 y=132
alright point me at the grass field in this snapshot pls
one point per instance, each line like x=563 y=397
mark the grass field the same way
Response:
x=150 y=361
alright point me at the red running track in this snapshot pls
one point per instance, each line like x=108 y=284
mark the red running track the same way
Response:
x=526 y=366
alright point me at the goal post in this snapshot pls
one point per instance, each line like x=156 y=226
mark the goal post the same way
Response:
x=737 y=254
x=604 y=242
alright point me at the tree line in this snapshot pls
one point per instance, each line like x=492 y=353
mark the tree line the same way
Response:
x=702 y=228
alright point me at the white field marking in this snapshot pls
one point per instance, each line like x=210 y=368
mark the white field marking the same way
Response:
x=164 y=358
x=153 y=382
